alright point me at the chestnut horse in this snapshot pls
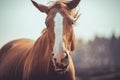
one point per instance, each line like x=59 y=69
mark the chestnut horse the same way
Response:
x=49 y=57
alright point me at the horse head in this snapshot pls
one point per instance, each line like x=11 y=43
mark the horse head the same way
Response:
x=61 y=16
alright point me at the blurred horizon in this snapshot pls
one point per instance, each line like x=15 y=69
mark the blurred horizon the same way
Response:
x=97 y=59
x=20 y=19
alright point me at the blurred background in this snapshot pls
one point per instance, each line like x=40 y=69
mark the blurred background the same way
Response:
x=97 y=54
x=98 y=59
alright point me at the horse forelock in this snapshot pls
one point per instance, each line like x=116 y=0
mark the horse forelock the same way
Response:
x=71 y=13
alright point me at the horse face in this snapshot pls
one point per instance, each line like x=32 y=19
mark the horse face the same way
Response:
x=60 y=18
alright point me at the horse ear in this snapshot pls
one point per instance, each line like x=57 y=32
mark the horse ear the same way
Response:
x=73 y=42
x=41 y=7
x=72 y=4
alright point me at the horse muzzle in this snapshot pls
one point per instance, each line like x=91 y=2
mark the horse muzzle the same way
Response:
x=62 y=65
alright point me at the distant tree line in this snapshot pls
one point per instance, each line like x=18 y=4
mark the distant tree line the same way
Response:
x=100 y=55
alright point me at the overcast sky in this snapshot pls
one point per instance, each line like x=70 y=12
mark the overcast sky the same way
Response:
x=20 y=19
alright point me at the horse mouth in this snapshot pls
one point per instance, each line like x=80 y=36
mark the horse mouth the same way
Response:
x=61 y=69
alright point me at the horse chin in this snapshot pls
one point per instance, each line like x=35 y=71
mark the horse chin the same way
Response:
x=61 y=70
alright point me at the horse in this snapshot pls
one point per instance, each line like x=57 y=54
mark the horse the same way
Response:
x=49 y=57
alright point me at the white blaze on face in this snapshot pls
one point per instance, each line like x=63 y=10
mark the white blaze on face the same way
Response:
x=58 y=49
x=60 y=55
x=58 y=33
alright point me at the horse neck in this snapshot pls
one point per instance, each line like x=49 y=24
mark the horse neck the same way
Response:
x=38 y=59
x=44 y=43
x=41 y=48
